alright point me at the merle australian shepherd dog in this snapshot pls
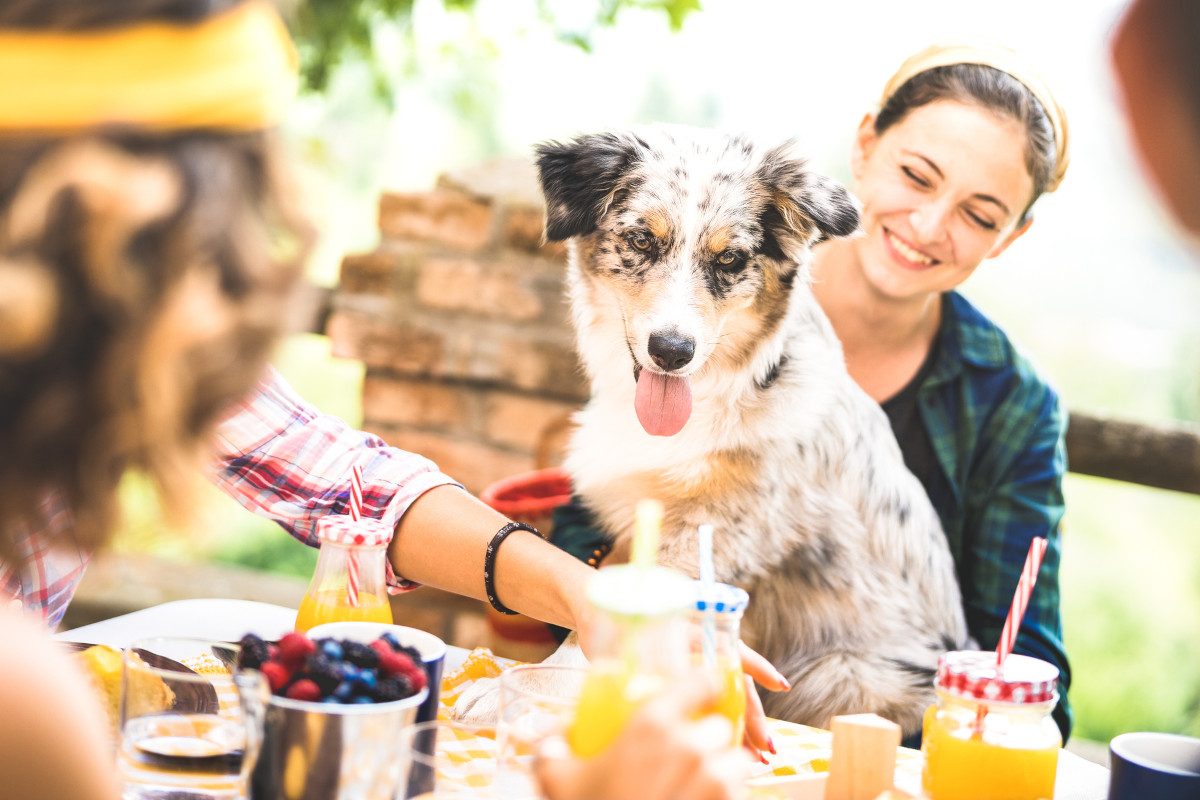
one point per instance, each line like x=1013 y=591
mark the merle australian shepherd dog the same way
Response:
x=719 y=388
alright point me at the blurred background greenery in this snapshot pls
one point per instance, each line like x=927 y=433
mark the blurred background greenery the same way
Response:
x=1101 y=292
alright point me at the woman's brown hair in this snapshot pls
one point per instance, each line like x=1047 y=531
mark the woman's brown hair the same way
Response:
x=143 y=279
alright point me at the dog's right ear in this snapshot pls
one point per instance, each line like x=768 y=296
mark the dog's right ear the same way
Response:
x=578 y=180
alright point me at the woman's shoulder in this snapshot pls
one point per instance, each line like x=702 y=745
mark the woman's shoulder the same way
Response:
x=1001 y=372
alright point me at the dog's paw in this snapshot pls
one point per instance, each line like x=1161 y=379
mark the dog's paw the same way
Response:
x=479 y=704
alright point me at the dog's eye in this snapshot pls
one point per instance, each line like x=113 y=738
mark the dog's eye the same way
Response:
x=639 y=240
x=728 y=258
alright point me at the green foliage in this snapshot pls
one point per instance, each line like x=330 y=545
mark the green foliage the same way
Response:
x=332 y=32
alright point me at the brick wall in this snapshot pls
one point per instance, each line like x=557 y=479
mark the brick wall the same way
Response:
x=460 y=319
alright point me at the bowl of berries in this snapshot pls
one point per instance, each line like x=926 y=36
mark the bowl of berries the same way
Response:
x=335 y=715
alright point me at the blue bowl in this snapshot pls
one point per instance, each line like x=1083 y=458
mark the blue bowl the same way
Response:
x=1154 y=766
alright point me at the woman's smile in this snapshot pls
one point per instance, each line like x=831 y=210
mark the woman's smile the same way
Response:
x=905 y=254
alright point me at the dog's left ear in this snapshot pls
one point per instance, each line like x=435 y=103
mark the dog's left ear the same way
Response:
x=811 y=205
x=579 y=178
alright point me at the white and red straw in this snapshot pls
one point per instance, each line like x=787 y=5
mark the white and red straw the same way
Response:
x=1012 y=623
x=1029 y=573
x=356 y=500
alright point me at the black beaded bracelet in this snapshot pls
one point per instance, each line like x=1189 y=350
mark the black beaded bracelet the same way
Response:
x=489 y=563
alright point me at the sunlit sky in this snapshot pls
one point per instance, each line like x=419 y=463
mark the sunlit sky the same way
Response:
x=1100 y=279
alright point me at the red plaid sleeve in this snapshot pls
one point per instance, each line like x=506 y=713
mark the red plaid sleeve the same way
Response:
x=283 y=459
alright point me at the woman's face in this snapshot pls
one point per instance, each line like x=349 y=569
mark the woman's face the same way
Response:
x=941 y=191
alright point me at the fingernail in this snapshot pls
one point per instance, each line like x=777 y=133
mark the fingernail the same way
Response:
x=771 y=745
x=787 y=686
x=763 y=759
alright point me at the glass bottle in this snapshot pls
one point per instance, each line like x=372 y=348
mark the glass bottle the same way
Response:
x=637 y=642
x=348 y=545
x=990 y=732
x=716 y=618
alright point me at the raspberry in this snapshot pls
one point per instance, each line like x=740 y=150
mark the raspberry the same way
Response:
x=295 y=647
x=416 y=677
x=382 y=648
x=277 y=675
x=303 y=689
x=394 y=663
x=360 y=655
x=253 y=653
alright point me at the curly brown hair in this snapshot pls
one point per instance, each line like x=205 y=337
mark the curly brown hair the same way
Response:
x=145 y=277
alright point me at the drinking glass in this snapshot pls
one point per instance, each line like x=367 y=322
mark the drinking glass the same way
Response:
x=186 y=732
x=459 y=759
x=537 y=702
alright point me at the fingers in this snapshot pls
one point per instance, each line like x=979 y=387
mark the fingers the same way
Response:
x=758 y=733
x=762 y=670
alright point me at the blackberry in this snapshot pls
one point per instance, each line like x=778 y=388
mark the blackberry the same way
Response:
x=390 y=689
x=254 y=652
x=360 y=655
x=412 y=653
x=323 y=671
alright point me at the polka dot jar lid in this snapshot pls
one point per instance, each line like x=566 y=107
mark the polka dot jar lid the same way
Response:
x=722 y=599
x=347 y=531
x=973 y=675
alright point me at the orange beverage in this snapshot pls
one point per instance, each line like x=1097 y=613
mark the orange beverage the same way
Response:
x=332 y=605
x=732 y=702
x=349 y=582
x=990 y=733
x=716 y=619
x=639 y=641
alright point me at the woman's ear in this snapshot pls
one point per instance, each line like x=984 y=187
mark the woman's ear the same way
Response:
x=864 y=143
x=1003 y=244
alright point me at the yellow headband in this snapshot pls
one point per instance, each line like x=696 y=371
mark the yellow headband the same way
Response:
x=998 y=57
x=235 y=71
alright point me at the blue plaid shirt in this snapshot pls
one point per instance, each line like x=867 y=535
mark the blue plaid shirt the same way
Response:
x=997 y=429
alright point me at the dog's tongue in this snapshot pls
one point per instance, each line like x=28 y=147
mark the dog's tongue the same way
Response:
x=663 y=403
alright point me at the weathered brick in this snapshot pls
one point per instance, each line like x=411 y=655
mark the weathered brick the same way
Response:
x=383 y=344
x=479 y=288
x=367 y=273
x=476 y=466
x=522 y=422
x=522 y=230
x=541 y=366
x=445 y=216
x=427 y=404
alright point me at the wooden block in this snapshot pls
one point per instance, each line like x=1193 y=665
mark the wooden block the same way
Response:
x=863 y=764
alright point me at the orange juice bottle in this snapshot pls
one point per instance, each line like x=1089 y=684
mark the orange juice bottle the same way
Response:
x=349 y=583
x=638 y=640
x=716 y=618
x=990 y=734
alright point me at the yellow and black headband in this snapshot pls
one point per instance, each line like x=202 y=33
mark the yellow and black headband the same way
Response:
x=235 y=71
x=996 y=56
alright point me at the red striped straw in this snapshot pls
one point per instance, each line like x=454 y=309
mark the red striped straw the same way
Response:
x=1033 y=562
x=356 y=499
x=1008 y=636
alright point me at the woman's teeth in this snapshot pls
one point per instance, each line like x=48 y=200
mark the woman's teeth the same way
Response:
x=908 y=252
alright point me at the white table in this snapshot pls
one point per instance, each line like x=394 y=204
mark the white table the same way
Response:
x=230 y=620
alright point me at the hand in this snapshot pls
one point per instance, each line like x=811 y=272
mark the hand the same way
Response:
x=665 y=752
x=757 y=668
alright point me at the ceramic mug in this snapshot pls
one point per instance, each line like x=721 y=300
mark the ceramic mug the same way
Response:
x=1154 y=766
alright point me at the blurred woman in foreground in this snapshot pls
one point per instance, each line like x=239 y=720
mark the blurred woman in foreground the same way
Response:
x=147 y=246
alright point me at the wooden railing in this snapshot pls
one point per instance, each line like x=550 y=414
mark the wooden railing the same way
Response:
x=1158 y=455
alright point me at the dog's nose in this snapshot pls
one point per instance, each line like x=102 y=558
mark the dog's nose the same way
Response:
x=671 y=351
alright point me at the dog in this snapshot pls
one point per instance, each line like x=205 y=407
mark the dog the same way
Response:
x=719 y=388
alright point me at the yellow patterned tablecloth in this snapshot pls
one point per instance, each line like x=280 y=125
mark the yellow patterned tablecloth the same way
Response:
x=801 y=749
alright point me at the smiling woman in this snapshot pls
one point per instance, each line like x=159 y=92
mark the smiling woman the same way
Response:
x=966 y=138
